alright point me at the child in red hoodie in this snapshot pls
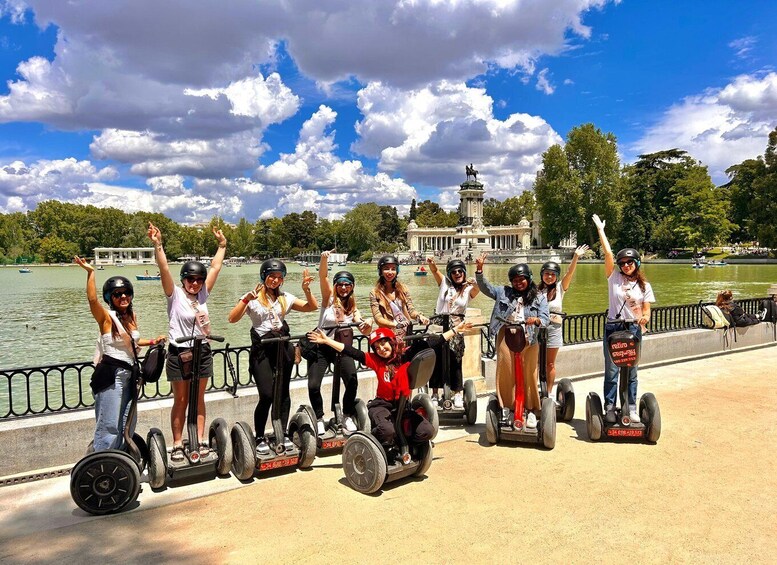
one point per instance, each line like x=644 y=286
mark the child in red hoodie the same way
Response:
x=390 y=362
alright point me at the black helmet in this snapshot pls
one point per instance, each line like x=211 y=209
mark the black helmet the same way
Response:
x=628 y=253
x=551 y=266
x=114 y=283
x=344 y=275
x=387 y=260
x=272 y=266
x=519 y=270
x=194 y=269
x=455 y=264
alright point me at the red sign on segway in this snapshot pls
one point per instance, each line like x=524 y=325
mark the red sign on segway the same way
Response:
x=332 y=443
x=278 y=463
x=624 y=432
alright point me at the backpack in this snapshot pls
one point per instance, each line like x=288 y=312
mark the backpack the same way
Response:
x=153 y=363
x=713 y=317
x=770 y=306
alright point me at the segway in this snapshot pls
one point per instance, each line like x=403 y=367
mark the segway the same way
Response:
x=297 y=453
x=445 y=407
x=565 y=392
x=335 y=435
x=624 y=350
x=368 y=464
x=509 y=426
x=218 y=460
x=422 y=402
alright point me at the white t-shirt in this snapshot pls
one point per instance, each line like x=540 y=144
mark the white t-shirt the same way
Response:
x=181 y=312
x=328 y=317
x=117 y=348
x=555 y=306
x=265 y=319
x=450 y=300
x=621 y=290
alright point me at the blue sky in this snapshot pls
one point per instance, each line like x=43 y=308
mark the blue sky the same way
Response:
x=258 y=109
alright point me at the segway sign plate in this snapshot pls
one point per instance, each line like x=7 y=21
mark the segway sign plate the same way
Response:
x=625 y=432
x=332 y=443
x=278 y=463
x=624 y=349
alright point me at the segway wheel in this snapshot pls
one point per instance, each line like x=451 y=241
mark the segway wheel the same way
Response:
x=565 y=396
x=364 y=463
x=305 y=440
x=593 y=417
x=362 y=417
x=470 y=403
x=423 y=402
x=243 y=451
x=548 y=423
x=105 y=482
x=221 y=443
x=651 y=416
x=426 y=457
x=492 y=421
x=157 y=458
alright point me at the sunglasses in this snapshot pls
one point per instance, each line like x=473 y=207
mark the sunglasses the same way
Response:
x=343 y=284
x=194 y=280
x=458 y=272
x=120 y=293
x=626 y=262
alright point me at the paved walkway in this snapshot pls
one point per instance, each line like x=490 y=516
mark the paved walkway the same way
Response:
x=704 y=493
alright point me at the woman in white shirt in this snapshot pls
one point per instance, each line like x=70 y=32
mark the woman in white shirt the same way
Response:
x=187 y=311
x=630 y=296
x=267 y=306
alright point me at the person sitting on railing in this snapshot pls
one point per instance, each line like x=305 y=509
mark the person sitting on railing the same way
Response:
x=733 y=311
x=519 y=302
x=390 y=360
x=267 y=306
x=554 y=292
x=452 y=301
x=630 y=296
x=115 y=361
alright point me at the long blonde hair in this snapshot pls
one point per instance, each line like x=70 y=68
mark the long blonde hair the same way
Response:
x=261 y=297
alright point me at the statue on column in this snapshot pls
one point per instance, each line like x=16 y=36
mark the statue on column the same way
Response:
x=471 y=172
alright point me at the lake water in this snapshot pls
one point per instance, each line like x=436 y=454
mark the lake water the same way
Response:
x=45 y=318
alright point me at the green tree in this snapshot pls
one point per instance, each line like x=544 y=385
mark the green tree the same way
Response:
x=390 y=227
x=241 y=241
x=54 y=249
x=509 y=212
x=558 y=195
x=431 y=215
x=359 y=228
x=413 y=211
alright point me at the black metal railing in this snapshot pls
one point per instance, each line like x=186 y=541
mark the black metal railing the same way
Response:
x=31 y=391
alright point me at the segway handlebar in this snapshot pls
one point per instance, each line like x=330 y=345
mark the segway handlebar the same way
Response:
x=264 y=340
x=341 y=326
x=200 y=337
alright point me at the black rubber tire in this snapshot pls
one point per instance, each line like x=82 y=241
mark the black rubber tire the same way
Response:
x=565 y=396
x=650 y=414
x=105 y=482
x=470 y=403
x=548 y=423
x=426 y=457
x=157 y=459
x=423 y=401
x=305 y=440
x=362 y=417
x=364 y=463
x=243 y=451
x=593 y=421
x=221 y=443
x=492 y=421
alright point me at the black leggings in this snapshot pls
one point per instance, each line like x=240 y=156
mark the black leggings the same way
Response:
x=316 y=370
x=454 y=377
x=382 y=414
x=262 y=362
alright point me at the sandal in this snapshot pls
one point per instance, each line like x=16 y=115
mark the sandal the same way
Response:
x=177 y=455
x=204 y=449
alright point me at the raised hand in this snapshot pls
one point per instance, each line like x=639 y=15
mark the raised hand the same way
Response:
x=154 y=234
x=480 y=260
x=220 y=237
x=580 y=251
x=306 y=280
x=598 y=222
x=82 y=263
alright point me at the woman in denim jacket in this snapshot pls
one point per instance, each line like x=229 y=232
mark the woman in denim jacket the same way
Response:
x=518 y=302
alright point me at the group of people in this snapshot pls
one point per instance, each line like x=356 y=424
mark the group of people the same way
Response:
x=523 y=301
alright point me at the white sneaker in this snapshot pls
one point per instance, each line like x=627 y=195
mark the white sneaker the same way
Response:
x=349 y=425
x=633 y=414
x=435 y=401
x=531 y=420
x=262 y=448
x=458 y=400
x=288 y=445
x=609 y=416
x=320 y=427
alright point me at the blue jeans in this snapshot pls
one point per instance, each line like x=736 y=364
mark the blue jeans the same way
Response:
x=611 y=370
x=111 y=409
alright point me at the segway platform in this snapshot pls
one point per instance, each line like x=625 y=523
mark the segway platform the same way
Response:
x=501 y=428
x=446 y=409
